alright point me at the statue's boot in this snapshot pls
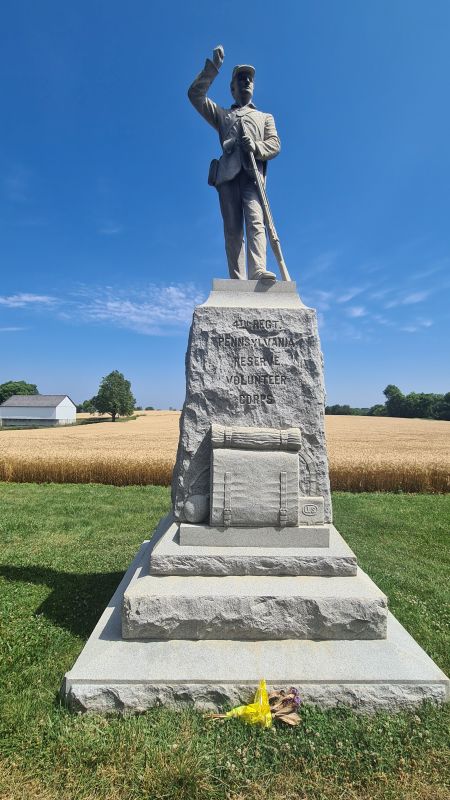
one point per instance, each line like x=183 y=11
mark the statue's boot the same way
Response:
x=263 y=275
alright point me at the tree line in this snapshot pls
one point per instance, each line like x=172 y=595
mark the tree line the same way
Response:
x=415 y=405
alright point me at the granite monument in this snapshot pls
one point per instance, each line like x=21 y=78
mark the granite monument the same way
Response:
x=247 y=577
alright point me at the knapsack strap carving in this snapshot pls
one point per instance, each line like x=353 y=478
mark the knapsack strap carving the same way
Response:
x=227 y=499
x=283 y=499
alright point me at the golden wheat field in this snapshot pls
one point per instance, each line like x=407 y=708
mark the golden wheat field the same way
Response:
x=366 y=453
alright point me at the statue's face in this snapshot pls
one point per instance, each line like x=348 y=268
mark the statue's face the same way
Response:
x=242 y=88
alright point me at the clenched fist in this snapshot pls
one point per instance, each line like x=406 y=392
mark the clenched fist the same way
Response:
x=248 y=144
x=218 y=56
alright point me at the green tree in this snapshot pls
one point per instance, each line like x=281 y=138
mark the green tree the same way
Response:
x=339 y=409
x=114 y=396
x=441 y=408
x=415 y=405
x=87 y=406
x=395 y=401
x=378 y=410
x=420 y=405
x=16 y=387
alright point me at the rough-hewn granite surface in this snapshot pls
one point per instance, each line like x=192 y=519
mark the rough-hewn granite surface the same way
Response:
x=254 y=607
x=253 y=359
x=131 y=698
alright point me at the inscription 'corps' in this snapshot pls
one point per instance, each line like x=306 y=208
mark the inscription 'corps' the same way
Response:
x=256 y=399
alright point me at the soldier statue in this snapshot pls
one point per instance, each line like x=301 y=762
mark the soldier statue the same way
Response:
x=243 y=131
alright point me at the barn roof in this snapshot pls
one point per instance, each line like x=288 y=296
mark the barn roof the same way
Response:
x=35 y=400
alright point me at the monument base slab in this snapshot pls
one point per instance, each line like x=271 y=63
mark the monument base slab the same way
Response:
x=115 y=675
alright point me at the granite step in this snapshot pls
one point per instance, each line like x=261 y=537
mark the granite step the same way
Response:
x=169 y=557
x=254 y=607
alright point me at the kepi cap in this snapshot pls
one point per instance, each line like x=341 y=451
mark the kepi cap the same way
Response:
x=243 y=68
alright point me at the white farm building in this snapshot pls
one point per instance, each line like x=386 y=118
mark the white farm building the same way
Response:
x=24 y=410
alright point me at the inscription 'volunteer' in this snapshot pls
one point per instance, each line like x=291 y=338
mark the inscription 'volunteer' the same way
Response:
x=256 y=380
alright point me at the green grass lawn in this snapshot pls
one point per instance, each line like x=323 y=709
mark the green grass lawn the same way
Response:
x=64 y=549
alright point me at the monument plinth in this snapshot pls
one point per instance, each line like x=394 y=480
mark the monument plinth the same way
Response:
x=253 y=360
x=247 y=577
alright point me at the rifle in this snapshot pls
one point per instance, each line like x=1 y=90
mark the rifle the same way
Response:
x=271 y=231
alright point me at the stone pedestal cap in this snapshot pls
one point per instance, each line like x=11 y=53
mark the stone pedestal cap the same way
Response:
x=253 y=294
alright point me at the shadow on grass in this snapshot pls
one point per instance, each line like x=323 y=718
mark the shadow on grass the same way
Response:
x=77 y=600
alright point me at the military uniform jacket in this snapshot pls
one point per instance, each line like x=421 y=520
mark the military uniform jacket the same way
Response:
x=229 y=123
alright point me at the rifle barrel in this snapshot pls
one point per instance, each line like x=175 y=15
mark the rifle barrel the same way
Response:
x=268 y=219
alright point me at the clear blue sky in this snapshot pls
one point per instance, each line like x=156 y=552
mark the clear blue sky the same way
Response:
x=109 y=234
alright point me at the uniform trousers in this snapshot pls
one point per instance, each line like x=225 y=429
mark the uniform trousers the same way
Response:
x=238 y=201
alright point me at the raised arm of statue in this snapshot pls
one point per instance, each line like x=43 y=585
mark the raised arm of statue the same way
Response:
x=200 y=85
